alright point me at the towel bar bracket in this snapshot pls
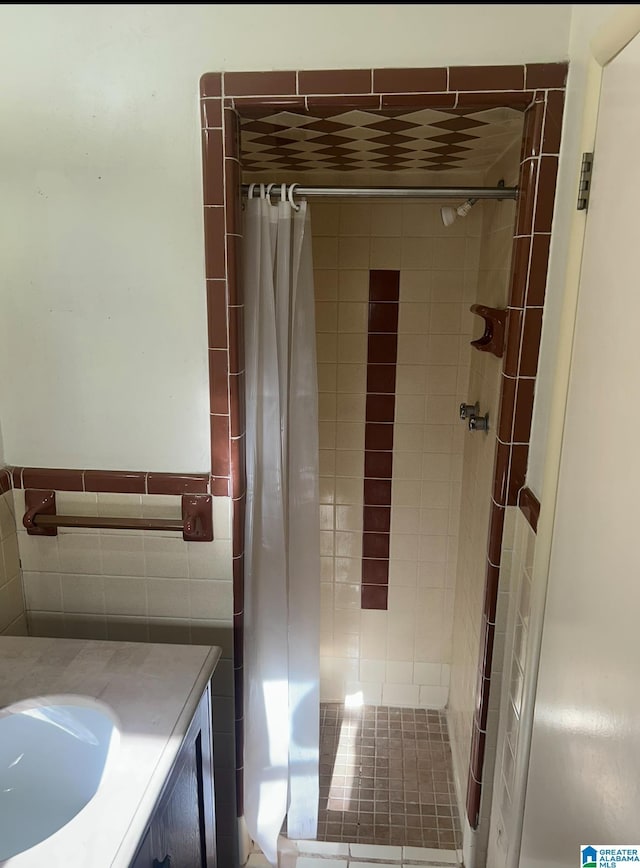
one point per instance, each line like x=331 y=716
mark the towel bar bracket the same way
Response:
x=41 y=518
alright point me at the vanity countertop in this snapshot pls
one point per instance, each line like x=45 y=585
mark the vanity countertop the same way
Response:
x=153 y=690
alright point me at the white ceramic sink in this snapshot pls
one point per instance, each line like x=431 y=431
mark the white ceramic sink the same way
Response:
x=54 y=752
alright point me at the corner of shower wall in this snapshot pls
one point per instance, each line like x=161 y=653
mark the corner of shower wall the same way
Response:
x=13 y=620
x=485 y=373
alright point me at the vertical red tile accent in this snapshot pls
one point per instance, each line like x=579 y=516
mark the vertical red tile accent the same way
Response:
x=496 y=529
x=553 y=122
x=238 y=478
x=234 y=288
x=212 y=177
x=523 y=410
x=220 y=433
x=231 y=134
x=232 y=197
x=211 y=113
x=517 y=471
x=375 y=597
x=236 y=371
x=214 y=247
x=217 y=314
x=532 y=132
x=527 y=196
x=537 y=278
x=236 y=399
x=384 y=295
x=474 y=792
x=236 y=338
x=218 y=379
x=501 y=472
x=507 y=408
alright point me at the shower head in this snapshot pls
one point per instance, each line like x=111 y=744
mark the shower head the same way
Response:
x=449 y=214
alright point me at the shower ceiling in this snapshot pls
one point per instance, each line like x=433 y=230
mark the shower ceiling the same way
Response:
x=399 y=140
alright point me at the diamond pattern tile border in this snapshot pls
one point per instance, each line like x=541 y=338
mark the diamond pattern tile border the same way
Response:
x=357 y=140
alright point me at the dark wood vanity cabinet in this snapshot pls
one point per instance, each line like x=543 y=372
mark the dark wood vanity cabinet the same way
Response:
x=181 y=832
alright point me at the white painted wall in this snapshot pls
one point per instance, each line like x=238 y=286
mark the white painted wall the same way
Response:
x=102 y=326
x=585 y=20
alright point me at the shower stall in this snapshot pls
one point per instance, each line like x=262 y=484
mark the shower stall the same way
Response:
x=414 y=206
x=404 y=482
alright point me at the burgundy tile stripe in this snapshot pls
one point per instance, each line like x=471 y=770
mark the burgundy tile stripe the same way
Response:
x=382 y=353
x=534 y=213
x=5 y=480
x=113 y=481
x=339 y=87
x=538 y=169
x=254 y=93
x=530 y=508
x=225 y=317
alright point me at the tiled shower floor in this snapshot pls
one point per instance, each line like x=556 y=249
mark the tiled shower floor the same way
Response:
x=386 y=777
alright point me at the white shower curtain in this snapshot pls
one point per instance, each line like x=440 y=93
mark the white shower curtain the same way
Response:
x=282 y=548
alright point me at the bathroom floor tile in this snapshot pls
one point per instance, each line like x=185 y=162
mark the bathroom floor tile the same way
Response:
x=386 y=779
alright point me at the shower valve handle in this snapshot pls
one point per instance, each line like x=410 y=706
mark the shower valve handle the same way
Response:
x=469 y=410
x=479 y=423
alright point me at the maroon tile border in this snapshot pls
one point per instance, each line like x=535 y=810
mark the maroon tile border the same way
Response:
x=120 y=482
x=334 y=81
x=405 y=81
x=530 y=508
x=56 y=479
x=6 y=482
x=259 y=83
x=176 y=483
x=109 y=481
x=538 y=168
x=537 y=89
x=546 y=75
x=486 y=78
x=384 y=298
x=225 y=313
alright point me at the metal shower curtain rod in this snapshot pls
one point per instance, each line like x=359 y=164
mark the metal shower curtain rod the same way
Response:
x=395 y=192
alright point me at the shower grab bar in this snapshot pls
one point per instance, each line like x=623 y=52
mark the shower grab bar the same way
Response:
x=196 y=524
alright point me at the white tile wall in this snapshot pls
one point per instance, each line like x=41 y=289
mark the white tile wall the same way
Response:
x=518 y=553
x=493 y=252
x=12 y=609
x=399 y=657
x=137 y=586
x=131 y=582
